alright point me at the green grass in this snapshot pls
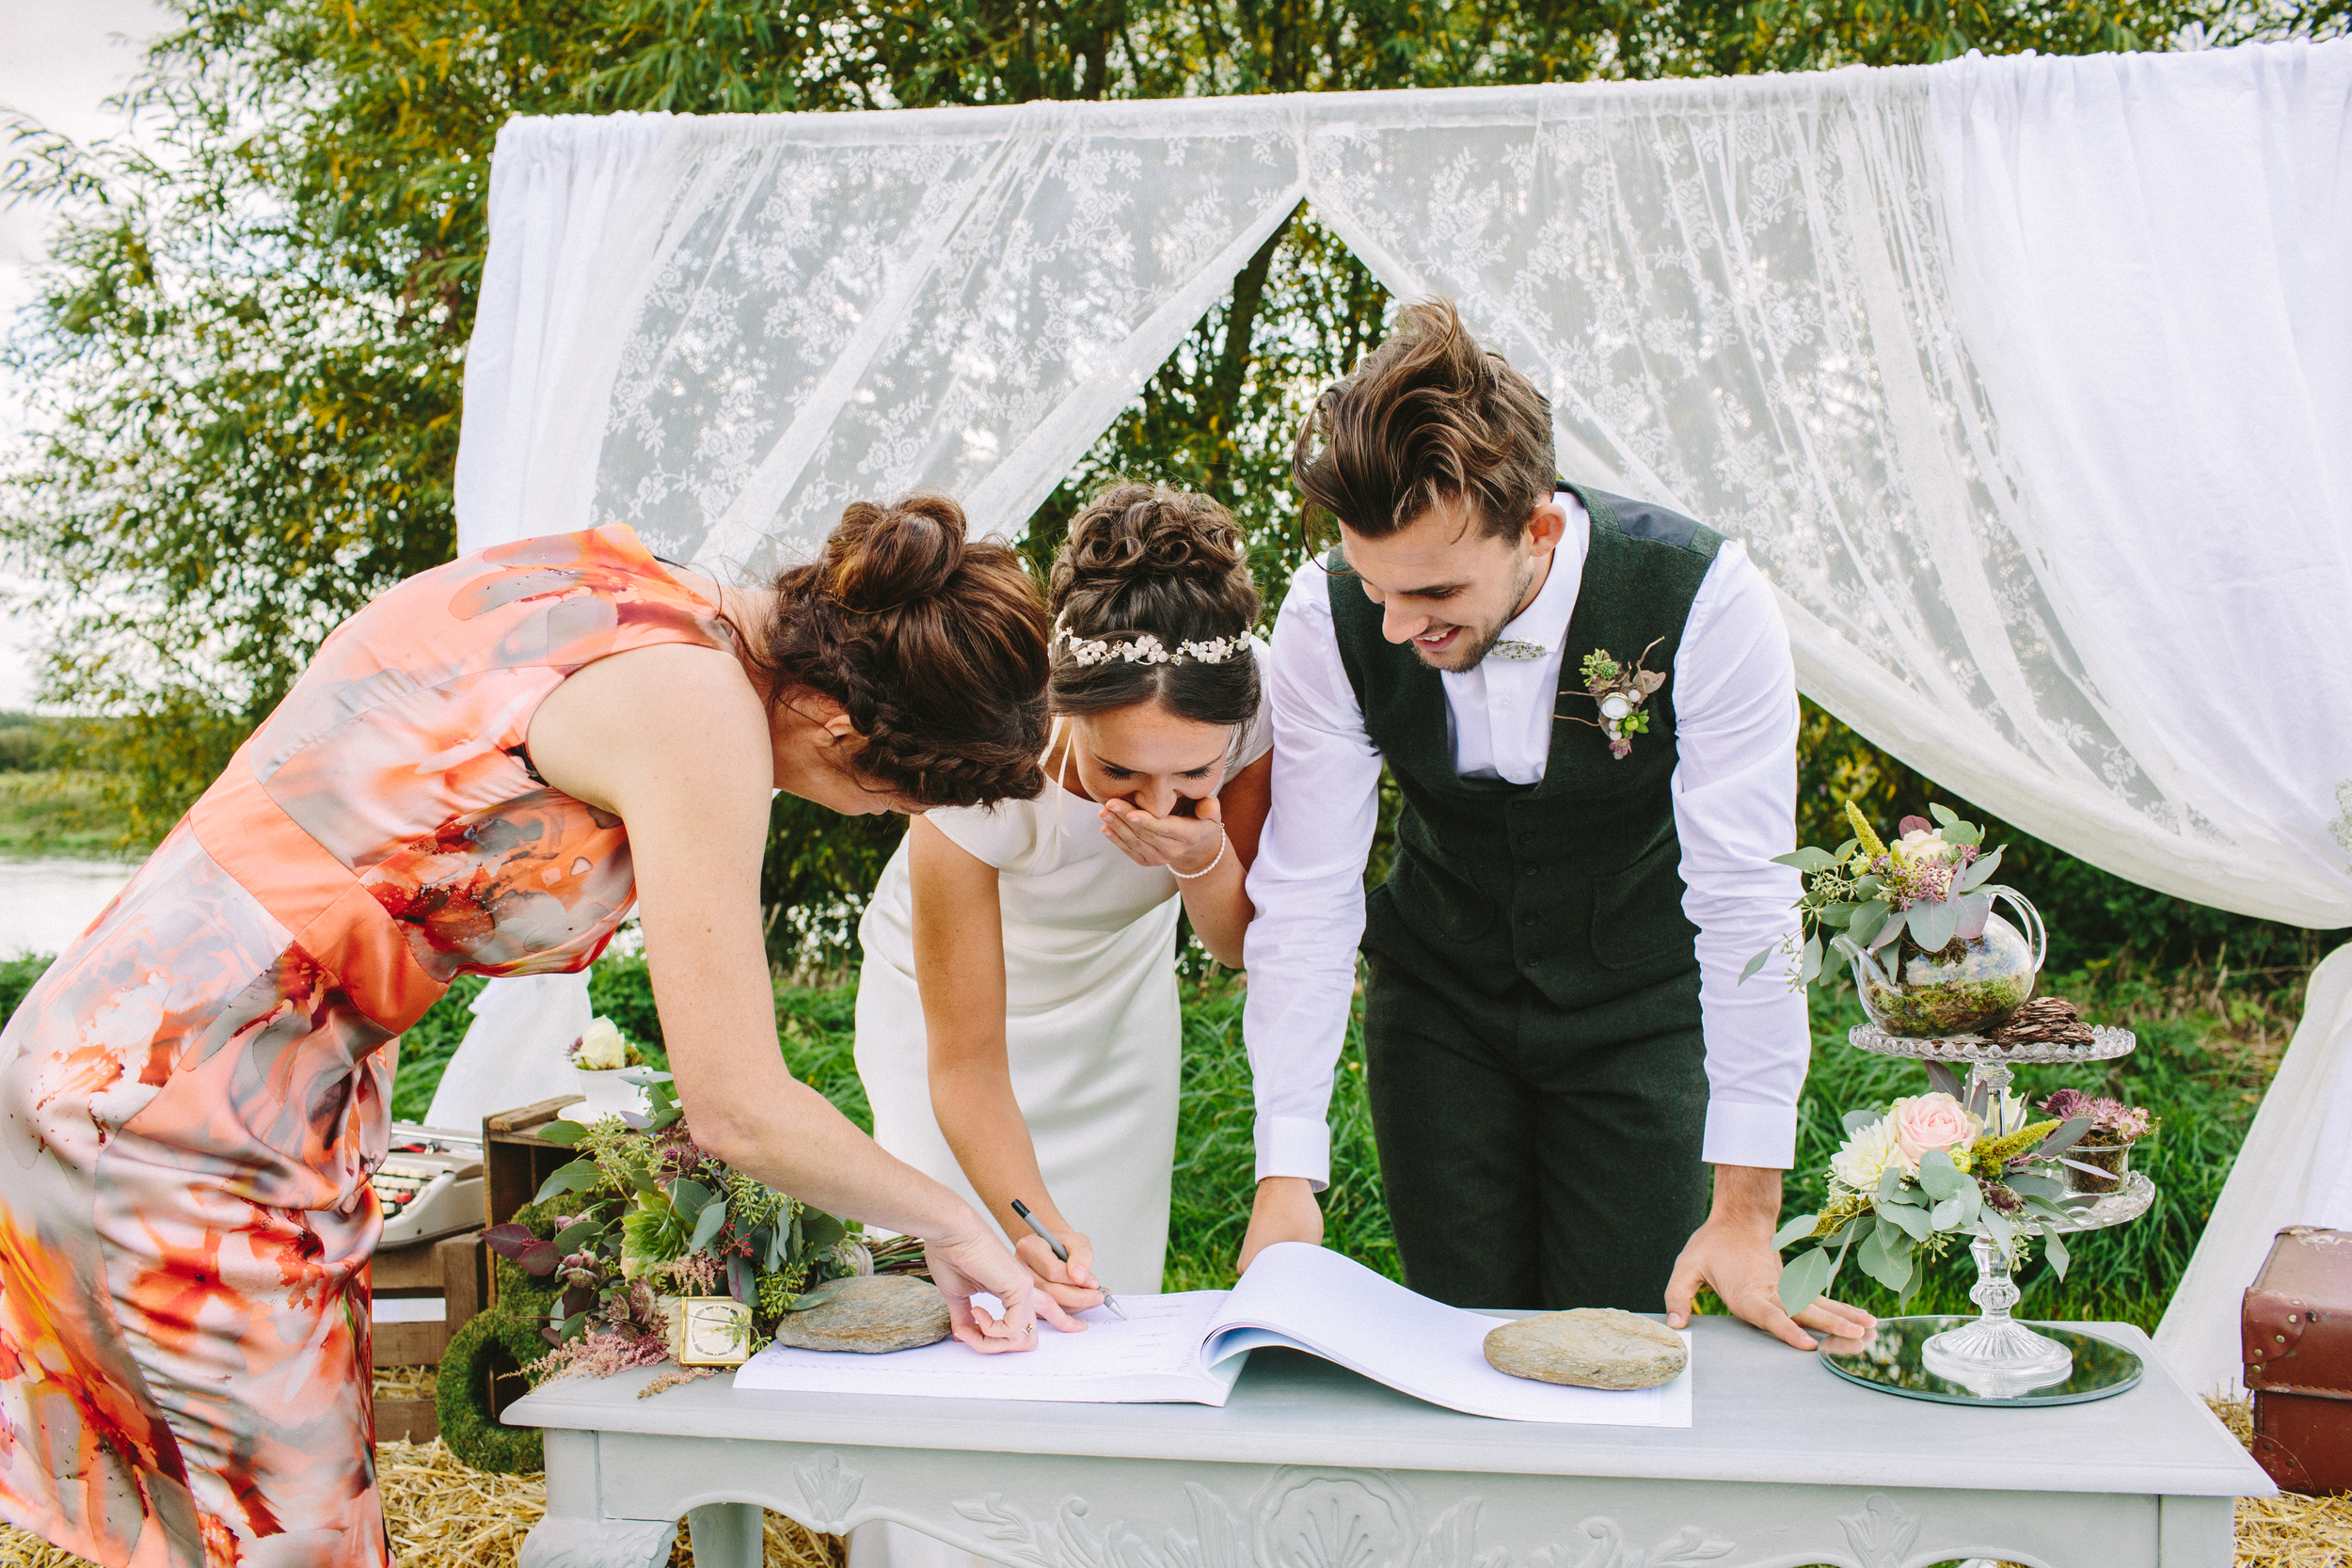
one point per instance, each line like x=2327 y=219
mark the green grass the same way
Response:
x=57 y=813
x=2209 y=1041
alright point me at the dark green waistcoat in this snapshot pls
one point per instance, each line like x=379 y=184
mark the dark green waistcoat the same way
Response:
x=1575 y=883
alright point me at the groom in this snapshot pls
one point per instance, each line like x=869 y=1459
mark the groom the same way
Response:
x=1555 y=1042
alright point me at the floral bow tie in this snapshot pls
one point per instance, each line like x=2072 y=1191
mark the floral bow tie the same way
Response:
x=1511 y=647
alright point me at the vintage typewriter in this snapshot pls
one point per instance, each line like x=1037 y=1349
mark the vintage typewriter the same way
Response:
x=430 y=1184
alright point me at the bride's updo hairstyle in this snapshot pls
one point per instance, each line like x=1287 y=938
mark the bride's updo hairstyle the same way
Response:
x=1153 y=603
x=934 y=644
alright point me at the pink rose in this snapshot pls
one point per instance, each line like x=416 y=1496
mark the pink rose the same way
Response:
x=1930 y=1121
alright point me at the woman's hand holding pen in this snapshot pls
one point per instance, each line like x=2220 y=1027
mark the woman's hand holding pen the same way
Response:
x=1070 y=1284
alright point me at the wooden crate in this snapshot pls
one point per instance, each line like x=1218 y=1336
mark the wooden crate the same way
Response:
x=453 y=1268
x=515 y=1161
x=406 y=1421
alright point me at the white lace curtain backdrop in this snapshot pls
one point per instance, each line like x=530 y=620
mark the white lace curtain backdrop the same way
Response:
x=2024 y=379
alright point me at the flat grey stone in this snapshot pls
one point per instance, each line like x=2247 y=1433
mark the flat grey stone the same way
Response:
x=1589 y=1347
x=873 y=1314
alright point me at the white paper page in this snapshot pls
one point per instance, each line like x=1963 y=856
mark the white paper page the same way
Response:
x=1154 y=1354
x=1343 y=1312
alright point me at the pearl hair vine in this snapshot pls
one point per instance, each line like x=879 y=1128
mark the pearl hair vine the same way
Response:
x=1143 y=648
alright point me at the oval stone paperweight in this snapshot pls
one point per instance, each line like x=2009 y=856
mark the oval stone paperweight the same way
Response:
x=872 y=1315
x=1588 y=1347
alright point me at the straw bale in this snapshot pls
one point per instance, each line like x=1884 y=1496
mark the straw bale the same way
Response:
x=404 y=1383
x=442 y=1513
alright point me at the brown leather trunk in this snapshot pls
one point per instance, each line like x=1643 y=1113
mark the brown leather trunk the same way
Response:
x=2297 y=1328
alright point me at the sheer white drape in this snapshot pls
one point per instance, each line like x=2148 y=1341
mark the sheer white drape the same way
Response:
x=2029 y=383
x=2154 y=266
x=553 y=184
x=2020 y=377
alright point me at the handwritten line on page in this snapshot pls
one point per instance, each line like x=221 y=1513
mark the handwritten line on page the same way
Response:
x=1190 y=1347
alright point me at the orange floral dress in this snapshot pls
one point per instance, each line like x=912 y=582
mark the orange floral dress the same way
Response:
x=194 y=1093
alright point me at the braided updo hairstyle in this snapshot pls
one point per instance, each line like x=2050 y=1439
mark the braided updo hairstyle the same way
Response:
x=1144 y=558
x=932 y=644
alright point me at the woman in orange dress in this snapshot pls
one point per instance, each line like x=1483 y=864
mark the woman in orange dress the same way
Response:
x=478 y=774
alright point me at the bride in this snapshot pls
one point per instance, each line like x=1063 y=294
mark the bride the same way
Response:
x=1017 y=1021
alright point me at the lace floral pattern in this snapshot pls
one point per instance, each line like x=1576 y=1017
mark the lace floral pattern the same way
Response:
x=1750 y=299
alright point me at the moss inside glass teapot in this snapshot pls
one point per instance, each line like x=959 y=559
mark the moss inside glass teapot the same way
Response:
x=1969 y=985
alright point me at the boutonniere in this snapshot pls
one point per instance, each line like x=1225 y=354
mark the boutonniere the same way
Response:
x=1620 y=692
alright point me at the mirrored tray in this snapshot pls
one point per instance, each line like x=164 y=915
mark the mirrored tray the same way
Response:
x=1893 y=1360
x=2105 y=1042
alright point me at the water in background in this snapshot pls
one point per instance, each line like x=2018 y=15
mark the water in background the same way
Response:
x=45 y=904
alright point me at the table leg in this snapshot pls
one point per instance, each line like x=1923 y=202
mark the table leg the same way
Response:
x=2195 y=1532
x=728 y=1535
x=575 y=1533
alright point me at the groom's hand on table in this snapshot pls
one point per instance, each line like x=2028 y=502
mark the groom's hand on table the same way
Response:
x=1733 y=1255
x=1071 y=1285
x=1285 y=1211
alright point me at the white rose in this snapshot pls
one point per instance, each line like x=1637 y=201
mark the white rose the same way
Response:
x=601 y=1048
x=1615 y=706
x=1926 y=846
x=1861 y=1159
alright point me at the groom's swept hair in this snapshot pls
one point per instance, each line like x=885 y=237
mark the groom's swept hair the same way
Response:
x=1430 y=416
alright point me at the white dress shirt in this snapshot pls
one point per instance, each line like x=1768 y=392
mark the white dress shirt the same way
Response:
x=1735 y=796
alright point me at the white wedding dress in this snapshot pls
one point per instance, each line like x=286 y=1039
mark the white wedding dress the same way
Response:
x=1092 y=1036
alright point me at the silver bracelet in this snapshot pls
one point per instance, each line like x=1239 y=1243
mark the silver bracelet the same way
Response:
x=1223 y=839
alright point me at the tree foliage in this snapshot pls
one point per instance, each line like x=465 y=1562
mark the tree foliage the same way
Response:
x=249 y=345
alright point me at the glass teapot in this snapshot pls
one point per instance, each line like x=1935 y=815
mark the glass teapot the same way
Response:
x=1968 y=985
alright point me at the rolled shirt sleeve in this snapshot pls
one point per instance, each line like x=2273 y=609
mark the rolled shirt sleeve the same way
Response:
x=1735 y=801
x=1307 y=885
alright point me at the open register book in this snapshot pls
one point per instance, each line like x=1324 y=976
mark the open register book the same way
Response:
x=1189 y=1349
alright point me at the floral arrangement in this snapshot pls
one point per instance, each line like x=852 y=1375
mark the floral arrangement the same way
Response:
x=1619 y=693
x=654 y=1216
x=1927 y=1168
x=602 y=1048
x=1922 y=890
x=2112 y=1122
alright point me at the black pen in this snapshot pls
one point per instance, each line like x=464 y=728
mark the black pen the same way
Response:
x=1059 y=1251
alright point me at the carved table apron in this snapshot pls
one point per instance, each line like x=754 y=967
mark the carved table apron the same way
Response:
x=1311 y=1466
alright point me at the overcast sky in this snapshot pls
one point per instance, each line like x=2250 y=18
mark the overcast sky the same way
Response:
x=61 y=61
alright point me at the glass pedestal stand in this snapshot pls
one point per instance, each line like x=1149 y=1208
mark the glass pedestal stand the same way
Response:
x=1993 y=1359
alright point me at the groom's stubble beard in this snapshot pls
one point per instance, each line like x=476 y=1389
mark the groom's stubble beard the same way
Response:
x=1475 y=649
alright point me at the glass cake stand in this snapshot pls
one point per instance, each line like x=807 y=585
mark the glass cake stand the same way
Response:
x=1992 y=1358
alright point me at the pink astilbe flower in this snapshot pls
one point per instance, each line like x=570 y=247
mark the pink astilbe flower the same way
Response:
x=694 y=1275
x=601 y=1352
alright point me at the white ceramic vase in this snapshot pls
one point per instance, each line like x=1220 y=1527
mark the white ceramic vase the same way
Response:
x=611 y=1091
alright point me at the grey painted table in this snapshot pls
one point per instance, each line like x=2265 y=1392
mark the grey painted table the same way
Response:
x=1311 y=1466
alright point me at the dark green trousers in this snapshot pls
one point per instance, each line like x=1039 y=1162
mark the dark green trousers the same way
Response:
x=1535 y=1157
